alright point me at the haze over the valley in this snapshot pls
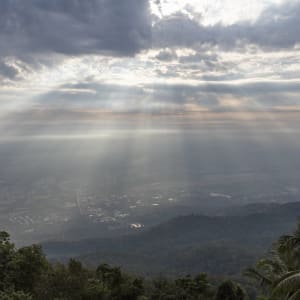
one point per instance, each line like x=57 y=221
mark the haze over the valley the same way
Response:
x=117 y=115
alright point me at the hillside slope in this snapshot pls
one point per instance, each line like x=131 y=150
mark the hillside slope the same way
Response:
x=187 y=244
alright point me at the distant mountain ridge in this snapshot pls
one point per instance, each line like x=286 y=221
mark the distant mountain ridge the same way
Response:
x=236 y=241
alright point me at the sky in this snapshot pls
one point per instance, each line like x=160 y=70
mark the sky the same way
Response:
x=119 y=95
x=73 y=61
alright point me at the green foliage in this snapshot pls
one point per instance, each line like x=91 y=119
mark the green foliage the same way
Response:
x=27 y=267
x=193 y=288
x=288 y=286
x=119 y=285
x=229 y=290
x=25 y=274
x=14 y=296
x=279 y=273
x=7 y=251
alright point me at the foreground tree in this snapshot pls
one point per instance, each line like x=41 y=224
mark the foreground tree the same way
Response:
x=119 y=285
x=25 y=274
x=287 y=287
x=27 y=267
x=15 y=296
x=279 y=273
x=7 y=251
x=229 y=290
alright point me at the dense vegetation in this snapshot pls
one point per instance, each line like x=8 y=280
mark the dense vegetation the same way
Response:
x=26 y=274
x=278 y=274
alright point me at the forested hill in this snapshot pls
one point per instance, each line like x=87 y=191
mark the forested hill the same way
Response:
x=186 y=244
x=26 y=274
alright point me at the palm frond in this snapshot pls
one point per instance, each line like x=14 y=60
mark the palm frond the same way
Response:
x=288 y=284
x=258 y=276
x=295 y=296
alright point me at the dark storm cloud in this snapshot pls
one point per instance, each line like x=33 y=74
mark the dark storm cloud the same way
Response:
x=123 y=27
x=114 y=27
x=277 y=27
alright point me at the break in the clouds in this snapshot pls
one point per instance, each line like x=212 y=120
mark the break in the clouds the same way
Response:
x=150 y=56
x=275 y=28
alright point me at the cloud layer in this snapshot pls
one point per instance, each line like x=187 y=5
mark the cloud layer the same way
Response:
x=275 y=28
x=119 y=55
x=115 y=27
x=74 y=27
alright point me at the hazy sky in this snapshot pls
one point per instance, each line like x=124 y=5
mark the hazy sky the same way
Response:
x=118 y=95
x=68 y=59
